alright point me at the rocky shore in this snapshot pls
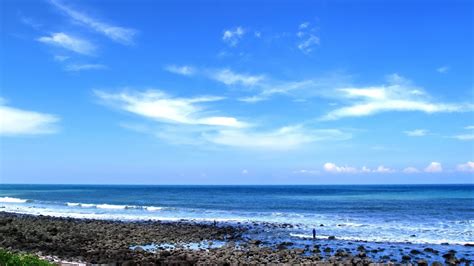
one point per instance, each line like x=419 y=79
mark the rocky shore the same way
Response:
x=124 y=243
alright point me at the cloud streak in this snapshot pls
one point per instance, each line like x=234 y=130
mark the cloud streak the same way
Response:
x=284 y=138
x=81 y=67
x=118 y=34
x=157 y=105
x=397 y=96
x=17 y=122
x=416 y=132
x=181 y=70
x=69 y=42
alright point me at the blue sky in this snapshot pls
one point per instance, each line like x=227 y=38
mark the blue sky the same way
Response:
x=236 y=92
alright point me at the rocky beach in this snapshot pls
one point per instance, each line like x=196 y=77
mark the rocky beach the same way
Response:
x=110 y=242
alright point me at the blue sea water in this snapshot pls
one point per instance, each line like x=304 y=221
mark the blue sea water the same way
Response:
x=429 y=214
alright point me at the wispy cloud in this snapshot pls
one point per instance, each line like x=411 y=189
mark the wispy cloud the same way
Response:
x=466 y=167
x=399 y=95
x=16 y=122
x=68 y=42
x=464 y=137
x=411 y=170
x=81 y=67
x=233 y=36
x=434 y=167
x=229 y=77
x=443 y=69
x=61 y=58
x=159 y=106
x=115 y=33
x=285 y=138
x=416 y=132
x=307 y=38
x=307 y=172
x=188 y=121
x=30 y=22
x=181 y=70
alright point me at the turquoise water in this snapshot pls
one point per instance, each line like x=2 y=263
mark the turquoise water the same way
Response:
x=432 y=214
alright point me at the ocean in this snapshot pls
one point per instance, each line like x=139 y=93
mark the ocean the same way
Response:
x=430 y=214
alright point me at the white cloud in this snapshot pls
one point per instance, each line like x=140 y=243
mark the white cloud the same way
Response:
x=181 y=70
x=306 y=45
x=466 y=167
x=80 y=67
x=162 y=107
x=416 y=132
x=115 y=33
x=383 y=169
x=304 y=25
x=245 y=172
x=411 y=170
x=68 y=42
x=233 y=36
x=399 y=95
x=14 y=122
x=228 y=77
x=307 y=172
x=464 y=137
x=333 y=168
x=307 y=38
x=285 y=138
x=443 y=69
x=434 y=167
x=186 y=121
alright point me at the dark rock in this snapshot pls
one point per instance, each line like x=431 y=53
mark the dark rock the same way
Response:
x=422 y=263
x=415 y=252
x=331 y=237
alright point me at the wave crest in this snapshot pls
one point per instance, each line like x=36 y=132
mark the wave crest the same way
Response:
x=12 y=200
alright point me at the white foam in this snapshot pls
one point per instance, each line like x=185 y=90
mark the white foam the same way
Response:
x=12 y=200
x=111 y=206
x=384 y=239
x=151 y=208
x=72 y=204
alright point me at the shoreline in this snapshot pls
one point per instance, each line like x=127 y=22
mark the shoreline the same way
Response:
x=186 y=242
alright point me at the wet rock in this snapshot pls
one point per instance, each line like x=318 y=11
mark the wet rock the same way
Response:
x=255 y=242
x=362 y=255
x=415 y=252
x=331 y=237
x=406 y=258
x=422 y=263
x=139 y=249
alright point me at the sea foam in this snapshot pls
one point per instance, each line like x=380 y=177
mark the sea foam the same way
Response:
x=12 y=200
